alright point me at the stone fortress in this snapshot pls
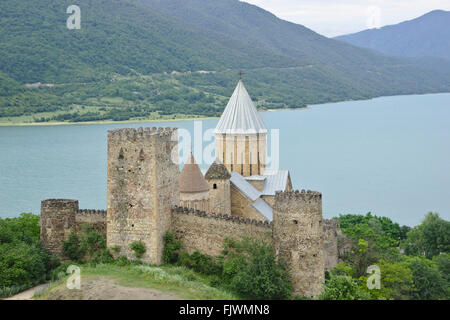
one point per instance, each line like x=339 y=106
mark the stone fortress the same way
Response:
x=236 y=197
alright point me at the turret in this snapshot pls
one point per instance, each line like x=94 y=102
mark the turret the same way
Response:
x=218 y=179
x=297 y=238
x=57 y=222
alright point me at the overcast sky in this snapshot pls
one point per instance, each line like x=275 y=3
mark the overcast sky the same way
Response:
x=336 y=17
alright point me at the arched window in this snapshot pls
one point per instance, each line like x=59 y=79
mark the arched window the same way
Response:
x=215 y=186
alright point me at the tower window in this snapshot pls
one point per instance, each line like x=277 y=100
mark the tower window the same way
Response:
x=215 y=186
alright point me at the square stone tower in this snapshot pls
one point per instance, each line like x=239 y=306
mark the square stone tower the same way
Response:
x=298 y=238
x=142 y=187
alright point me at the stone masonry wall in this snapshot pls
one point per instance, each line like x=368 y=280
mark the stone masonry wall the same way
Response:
x=298 y=238
x=60 y=217
x=331 y=234
x=95 y=218
x=142 y=184
x=205 y=232
x=57 y=222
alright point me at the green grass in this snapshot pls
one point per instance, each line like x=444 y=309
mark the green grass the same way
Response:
x=179 y=281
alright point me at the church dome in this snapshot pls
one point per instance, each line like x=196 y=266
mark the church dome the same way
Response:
x=191 y=179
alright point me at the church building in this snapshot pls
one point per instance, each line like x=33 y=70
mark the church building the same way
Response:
x=238 y=182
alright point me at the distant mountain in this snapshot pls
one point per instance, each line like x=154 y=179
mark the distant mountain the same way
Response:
x=425 y=36
x=121 y=59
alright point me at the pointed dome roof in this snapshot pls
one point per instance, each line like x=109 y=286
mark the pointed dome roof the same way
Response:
x=240 y=114
x=191 y=179
x=217 y=171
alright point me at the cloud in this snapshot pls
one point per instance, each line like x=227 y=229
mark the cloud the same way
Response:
x=336 y=17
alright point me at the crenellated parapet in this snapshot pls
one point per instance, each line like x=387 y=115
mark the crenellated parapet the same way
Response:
x=126 y=134
x=230 y=218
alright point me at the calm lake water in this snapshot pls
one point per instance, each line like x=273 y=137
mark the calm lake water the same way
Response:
x=390 y=156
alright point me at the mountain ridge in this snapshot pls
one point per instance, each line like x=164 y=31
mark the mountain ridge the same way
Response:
x=424 y=36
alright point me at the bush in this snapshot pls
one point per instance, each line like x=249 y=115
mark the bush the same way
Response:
x=171 y=248
x=90 y=246
x=253 y=270
x=23 y=261
x=139 y=248
x=199 y=262
x=72 y=248
x=342 y=288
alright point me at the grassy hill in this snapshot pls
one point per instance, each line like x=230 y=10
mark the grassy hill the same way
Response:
x=136 y=282
x=424 y=36
x=120 y=64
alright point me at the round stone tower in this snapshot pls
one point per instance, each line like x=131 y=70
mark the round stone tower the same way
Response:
x=218 y=179
x=57 y=222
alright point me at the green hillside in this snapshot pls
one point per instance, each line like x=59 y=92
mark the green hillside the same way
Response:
x=119 y=65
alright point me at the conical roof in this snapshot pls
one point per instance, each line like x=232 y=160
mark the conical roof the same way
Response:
x=217 y=170
x=191 y=179
x=240 y=115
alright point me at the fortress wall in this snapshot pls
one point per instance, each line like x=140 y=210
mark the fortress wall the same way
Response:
x=95 y=218
x=205 y=232
x=331 y=234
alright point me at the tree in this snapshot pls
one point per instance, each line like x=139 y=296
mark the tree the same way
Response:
x=428 y=281
x=430 y=238
x=396 y=281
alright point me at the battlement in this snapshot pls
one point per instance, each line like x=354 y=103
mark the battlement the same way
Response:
x=140 y=133
x=331 y=224
x=88 y=212
x=239 y=220
x=296 y=194
x=59 y=203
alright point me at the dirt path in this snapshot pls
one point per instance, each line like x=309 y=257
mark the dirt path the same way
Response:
x=28 y=294
x=106 y=289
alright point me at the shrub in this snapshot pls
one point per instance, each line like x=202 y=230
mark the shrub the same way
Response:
x=90 y=245
x=342 y=288
x=200 y=262
x=171 y=248
x=72 y=247
x=23 y=261
x=254 y=272
x=139 y=248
